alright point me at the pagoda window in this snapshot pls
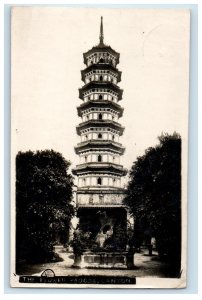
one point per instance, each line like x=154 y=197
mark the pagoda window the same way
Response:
x=91 y=200
x=113 y=137
x=101 y=60
x=99 y=181
x=101 y=78
x=99 y=158
x=99 y=136
x=86 y=158
x=100 y=116
x=100 y=97
x=101 y=199
x=84 y=181
x=86 y=136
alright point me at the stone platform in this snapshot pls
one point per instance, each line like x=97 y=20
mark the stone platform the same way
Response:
x=104 y=260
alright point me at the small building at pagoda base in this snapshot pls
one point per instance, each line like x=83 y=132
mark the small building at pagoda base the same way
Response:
x=100 y=240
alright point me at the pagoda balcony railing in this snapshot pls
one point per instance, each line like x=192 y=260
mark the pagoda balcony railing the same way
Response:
x=100 y=203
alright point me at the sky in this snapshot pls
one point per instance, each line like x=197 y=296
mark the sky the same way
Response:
x=47 y=56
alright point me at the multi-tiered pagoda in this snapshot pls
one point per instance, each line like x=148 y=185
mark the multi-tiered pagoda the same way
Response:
x=100 y=191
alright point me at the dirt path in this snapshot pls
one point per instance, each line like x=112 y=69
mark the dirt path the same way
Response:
x=144 y=266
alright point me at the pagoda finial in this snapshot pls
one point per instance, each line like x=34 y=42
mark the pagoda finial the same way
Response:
x=101 y=33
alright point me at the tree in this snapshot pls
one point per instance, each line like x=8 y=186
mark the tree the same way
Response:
x=154 y=196
x=43 y=204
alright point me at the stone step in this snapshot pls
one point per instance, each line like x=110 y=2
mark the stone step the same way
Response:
x=58 y=247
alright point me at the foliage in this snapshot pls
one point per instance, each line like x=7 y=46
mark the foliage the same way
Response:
x=154 y=195
x=43 y=208
x=83 y=241
x=118 y=241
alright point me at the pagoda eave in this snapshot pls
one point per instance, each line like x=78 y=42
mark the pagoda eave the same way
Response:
x=101 y=48
x=100 y=104
x=101 y=85
x=104 y=145
x=102 y=190
x=100 y=123
x=104 y=67
x=105 y=168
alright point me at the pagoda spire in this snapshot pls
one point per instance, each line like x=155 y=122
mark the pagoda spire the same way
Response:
x=101 y=33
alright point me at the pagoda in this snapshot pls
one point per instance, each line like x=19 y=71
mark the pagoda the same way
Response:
x=101 y=213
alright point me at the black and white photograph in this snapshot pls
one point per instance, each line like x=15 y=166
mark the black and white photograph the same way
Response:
x=99 y=147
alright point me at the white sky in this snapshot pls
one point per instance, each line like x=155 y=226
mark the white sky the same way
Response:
x=47 y=56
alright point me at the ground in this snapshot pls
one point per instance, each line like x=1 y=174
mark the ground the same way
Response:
x=145 y=266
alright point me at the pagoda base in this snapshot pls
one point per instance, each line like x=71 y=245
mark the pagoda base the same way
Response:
x=104 y=260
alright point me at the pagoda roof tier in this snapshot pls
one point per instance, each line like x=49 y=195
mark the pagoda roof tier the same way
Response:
x=102 y=190
x=101 y=85
x=99 y=168
x=108 y=67
x=100 y=123
x=101 y=48
x=107 y=145
x=100 y=104
x=112 y=206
